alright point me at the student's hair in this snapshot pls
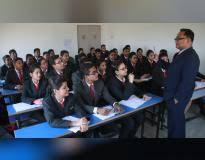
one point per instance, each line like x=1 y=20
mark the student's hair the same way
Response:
x=56 y=82
x=39 y=63
x=125 y=48
x=98 y=50
x=188 y=33
x=50 y=50
x=12 y=51
x=36 y=49
x=17 y=59
x=52 y=59
x=92 y=48
x=80 y=49
x=132 y=54
x=111 y=51
x=63 y=52
x=163 y=53
x=139 y=49
x=44 y=53
x=5 y=57
x=149 y=52
x=86 y=67
x=33 y=67
x=103 y=45
x=100 y=62
x=28 y=56
x=117 y=64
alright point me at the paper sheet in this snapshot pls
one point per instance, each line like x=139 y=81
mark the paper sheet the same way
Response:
x=199 y=85
x=71 y=118
x=102 y=117
x=19 y=107
x=133 y=102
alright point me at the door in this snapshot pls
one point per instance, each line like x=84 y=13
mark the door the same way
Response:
x=89 y=36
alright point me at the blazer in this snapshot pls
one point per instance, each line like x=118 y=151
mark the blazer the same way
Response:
x=3 y=71
x=148 y=67
x=54 y=112
x=138 y=70
x=102 y=95
x=12 y=79
x=182 y=72
x=124 y=60
x=122 y=91
x=30 y=94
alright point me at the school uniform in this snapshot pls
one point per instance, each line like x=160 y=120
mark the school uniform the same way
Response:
x=31 y=92
x=122 y=91
x=104 y=55
x=55 y=111
x=97 y=95
x=136 y=69
x=124 y=59
x=159 y=75
x=3 y=71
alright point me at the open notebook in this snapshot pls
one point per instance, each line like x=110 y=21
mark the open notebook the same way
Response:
x=133 y=102
x=20 y=107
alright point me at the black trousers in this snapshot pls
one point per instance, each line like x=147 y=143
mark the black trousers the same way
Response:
x=176 y=119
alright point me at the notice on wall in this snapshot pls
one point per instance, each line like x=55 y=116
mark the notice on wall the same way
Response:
x=67 y=44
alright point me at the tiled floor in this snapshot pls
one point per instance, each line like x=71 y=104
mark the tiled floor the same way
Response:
x=194 y=128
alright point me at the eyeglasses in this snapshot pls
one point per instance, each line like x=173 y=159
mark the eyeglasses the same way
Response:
x=93 y=73
x=123 y=69
x=178 y=38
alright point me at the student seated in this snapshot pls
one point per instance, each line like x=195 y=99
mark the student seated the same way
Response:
x=121 y=88
x=102 y=68
x=69 y=65
x=15 y=77
x=92 y=53
x=51 y=52
x=37 y=55
x=80 y=54
x=159 y=73
x=97 y=58
x=112 y=57
x=134 y=66
x=141 y=58
x=30 y=60
x=149 y=63
x=104 y=52
x=7 y=65
x=77 y=76
x=94 y=95
x=35 y=88
x=125 y=55
x=13 y=54
x=44 y=67
x=61 y=104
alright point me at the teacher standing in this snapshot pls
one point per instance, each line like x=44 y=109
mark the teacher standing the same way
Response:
x=180 y=83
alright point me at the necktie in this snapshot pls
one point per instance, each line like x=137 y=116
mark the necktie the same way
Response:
x=92 y=94
x=36 y=87
x=21 y=77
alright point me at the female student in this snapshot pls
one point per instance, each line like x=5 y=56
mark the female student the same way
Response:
x=35 y=88
x=102 y=67
x=61 y=104
x=121 y=88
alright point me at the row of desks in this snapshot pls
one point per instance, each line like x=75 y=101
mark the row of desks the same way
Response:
x=43 y=130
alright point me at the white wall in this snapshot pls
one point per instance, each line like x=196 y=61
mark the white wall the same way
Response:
x=24 y=37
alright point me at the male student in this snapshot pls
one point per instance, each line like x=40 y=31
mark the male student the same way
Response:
x=180 y=82
x=7 y=65
x=125 y=56
x=104 y=52
x=93 y=94
x=15 y=78
x=13 y=54
x=37 y=54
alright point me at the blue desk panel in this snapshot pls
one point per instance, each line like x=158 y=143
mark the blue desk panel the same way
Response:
x=43 y=130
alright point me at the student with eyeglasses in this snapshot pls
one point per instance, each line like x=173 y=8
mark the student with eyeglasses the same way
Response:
x=121 y=87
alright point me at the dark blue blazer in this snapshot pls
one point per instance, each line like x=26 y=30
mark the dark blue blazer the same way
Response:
x=181 y=76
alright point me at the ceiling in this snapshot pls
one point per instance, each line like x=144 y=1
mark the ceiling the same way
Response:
x=102 y=11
